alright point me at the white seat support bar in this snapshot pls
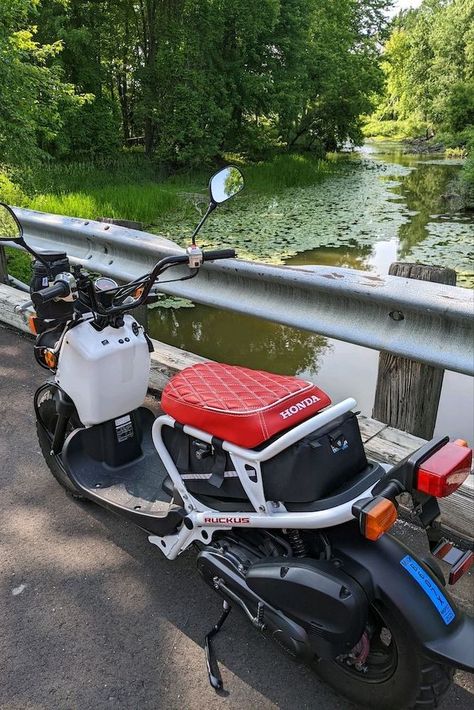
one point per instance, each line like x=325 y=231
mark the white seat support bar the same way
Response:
x=283 y=442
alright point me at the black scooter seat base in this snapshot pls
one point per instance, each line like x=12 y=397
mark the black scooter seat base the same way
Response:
x=121 y=470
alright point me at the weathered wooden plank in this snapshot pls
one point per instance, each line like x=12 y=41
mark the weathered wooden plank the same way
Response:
x=392 y=445
x=167 y=361
x=370 y=427
x=10 y=298
x=457 y=511
x=408 y=392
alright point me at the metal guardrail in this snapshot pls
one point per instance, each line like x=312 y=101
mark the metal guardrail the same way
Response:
x=429 y=322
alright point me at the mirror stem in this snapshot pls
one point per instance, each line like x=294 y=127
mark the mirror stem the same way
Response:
x=36 y=256
x=212 y=206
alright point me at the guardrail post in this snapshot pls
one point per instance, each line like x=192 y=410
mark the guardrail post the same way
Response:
x=408 y=392
x=3 y=267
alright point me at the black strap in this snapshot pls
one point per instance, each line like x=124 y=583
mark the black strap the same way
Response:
x=183 y=457
x=220 y=460
x=217 y=477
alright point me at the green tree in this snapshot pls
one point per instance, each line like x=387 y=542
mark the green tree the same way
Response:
x=429 y=66
x=194 y=78
x=34 y=98
x=341 y=71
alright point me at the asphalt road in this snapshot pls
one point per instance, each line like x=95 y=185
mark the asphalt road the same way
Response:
x=92 y=616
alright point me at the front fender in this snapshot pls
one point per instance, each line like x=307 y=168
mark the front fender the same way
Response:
x=393 y=575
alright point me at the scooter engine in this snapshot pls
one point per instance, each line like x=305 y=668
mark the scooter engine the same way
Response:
x=309 y=607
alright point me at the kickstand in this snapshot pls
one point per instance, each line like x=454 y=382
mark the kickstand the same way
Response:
x=213 y=672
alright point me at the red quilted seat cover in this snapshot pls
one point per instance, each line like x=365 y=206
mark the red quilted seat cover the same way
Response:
x=243 y=406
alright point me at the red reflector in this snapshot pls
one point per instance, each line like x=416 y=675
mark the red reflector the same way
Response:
x=444 y=471
x=461 y=567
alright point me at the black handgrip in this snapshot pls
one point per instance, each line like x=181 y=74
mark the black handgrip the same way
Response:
x=219 y=254
x=61 y=288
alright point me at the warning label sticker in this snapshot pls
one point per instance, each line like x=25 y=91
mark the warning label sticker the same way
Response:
x=124 y=428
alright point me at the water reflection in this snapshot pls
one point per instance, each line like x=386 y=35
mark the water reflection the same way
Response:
x=350 y=256
x=424 y=190
x=239 y=339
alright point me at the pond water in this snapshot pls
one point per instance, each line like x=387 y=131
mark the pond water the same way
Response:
x=379 y=206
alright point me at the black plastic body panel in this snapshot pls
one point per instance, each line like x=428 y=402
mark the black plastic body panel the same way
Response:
x=378 y=567
x=213 y=565
x=123 y=474
x=309 y=607
x=329 y=604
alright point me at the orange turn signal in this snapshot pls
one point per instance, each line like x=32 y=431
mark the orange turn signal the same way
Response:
x=138 y=292
x=379 y=518
x=32 y=323
x=376 y=516
x=50 y=359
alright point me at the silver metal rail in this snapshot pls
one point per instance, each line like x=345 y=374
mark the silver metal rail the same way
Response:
x=429 y=322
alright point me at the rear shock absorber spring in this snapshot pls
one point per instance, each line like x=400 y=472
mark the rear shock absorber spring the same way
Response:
x=297 y=543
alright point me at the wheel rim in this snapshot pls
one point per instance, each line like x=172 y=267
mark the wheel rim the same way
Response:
x=382 y=659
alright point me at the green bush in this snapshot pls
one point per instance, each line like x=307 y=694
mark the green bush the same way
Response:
x=459 y=107
x=394 y=130
x=19 y=264
x=458 y=152
x=10 y=192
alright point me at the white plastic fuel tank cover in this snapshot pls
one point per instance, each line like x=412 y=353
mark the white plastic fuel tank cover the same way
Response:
x=105 y=372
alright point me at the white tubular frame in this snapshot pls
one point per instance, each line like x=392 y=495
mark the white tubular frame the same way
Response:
x=202 y=522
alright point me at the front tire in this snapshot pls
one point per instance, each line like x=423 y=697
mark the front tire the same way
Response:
x=395 y=674
x=46 y=418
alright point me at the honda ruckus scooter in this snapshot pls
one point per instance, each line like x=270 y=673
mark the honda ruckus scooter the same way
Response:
x=264 y=476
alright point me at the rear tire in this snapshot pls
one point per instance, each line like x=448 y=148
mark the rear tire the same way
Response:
x=398 y=675
x=45 y=426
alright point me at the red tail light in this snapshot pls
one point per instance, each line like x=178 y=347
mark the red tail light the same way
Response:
x=443 y=472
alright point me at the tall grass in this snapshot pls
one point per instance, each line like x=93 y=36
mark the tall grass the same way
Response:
x=64 y=177
x=143 y=203
x=285 y=171
x=19 y=264
x=134 y=188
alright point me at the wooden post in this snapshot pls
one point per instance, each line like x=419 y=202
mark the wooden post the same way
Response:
x=408 y=392
x=141 y=313
x=3 y=267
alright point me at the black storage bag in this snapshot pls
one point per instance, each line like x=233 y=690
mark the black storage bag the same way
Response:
x=311 y=469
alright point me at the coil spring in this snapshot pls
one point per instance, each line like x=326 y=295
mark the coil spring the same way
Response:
x=297 y=543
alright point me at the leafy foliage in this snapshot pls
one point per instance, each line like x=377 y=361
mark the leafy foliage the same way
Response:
x=34 y=96
x=428 y=62
x=187 y=79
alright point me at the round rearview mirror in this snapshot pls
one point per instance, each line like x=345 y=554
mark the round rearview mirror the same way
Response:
x=225 y=184
x=10 y=228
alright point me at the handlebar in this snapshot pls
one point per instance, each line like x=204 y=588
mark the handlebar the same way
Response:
x=61 y=288
x=57 y=290
x=219 y=254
